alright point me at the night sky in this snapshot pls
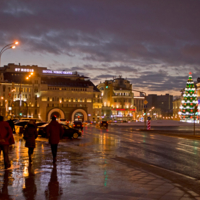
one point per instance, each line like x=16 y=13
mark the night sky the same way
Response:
x=152 y=43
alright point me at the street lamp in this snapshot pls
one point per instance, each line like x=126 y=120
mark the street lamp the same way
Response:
x=8 y=46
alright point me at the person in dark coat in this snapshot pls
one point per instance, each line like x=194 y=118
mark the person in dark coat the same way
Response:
x=5 y=135
x=30 y=134
x=12 y=125
x=55 y=133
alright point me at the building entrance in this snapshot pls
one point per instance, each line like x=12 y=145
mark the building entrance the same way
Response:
x=56 y=114
x=79 y=117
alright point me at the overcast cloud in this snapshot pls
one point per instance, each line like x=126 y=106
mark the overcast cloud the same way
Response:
x=152 y=43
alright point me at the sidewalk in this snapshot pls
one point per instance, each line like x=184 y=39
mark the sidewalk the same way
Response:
x=81 y=175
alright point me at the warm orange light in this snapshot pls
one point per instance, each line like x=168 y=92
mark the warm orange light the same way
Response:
x=16 y=42
x=27 y=78
x=31 y=73
x=13 y=47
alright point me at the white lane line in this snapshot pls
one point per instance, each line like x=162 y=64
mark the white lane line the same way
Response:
x=185 y=151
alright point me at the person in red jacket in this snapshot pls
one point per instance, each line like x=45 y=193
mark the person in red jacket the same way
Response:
x=5 y=135
x=30 y=134
x=55 y=133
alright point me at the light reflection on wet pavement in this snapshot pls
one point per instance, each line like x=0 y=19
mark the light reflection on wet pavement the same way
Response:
x=85 y=170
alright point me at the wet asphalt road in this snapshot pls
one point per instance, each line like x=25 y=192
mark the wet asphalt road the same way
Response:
x=87 y=161
x=176 y=154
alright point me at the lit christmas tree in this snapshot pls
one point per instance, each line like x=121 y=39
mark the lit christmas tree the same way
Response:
x=188 y=109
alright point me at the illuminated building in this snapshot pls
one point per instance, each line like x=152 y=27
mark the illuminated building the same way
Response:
x=64 y=94
x=139 y=107
x=118 y=99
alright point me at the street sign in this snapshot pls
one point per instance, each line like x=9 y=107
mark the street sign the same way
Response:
x=145 y=102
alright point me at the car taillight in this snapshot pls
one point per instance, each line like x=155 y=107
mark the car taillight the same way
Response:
x=73 y=125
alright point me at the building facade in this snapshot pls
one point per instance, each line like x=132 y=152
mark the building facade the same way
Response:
x=64 y=94
x=117 y=99
x=176 y=108
x=162 y=103
x=139 y=107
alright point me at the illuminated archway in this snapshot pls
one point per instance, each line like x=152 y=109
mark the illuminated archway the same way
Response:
x=56 y=110
x=80 y=111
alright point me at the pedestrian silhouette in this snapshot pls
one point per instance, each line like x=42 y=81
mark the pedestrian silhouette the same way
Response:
x=55 y=133
x=53 y=191
x=12 y=125
x=6 y=136
x=30 y=189
x=30 y=134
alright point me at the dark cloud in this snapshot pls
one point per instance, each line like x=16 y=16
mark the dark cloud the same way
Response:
x=135 y=38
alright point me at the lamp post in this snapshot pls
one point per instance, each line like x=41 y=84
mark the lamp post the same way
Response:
x=8 y=46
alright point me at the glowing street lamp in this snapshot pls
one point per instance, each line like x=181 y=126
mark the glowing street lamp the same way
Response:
x=8 y=46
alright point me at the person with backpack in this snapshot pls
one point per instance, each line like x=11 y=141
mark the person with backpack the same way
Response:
x=30 y=134
x=55 y=133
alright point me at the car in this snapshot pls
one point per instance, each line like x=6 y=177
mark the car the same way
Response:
x=71 y=132
x=78 y=125
x=104 y=124
x=68 y=132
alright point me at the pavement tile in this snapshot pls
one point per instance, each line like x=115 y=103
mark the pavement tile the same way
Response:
x=193 y=193
x=169 y=197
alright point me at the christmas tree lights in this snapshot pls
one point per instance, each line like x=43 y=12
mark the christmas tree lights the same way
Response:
x=188 y=110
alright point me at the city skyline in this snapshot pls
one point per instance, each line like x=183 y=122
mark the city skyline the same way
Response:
x=153 y=44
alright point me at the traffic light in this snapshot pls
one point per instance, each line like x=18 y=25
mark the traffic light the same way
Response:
x=20 y=114
x=106 y=86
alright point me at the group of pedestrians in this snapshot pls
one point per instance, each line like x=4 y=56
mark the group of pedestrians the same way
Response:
x=54 y=133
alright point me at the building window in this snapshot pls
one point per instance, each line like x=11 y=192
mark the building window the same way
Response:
x=35 y=89
x=44 y=99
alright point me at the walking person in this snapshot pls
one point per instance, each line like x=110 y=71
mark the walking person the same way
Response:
x=5 y=136
x=12 y=125
x=30 y=134
x=55 y=133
